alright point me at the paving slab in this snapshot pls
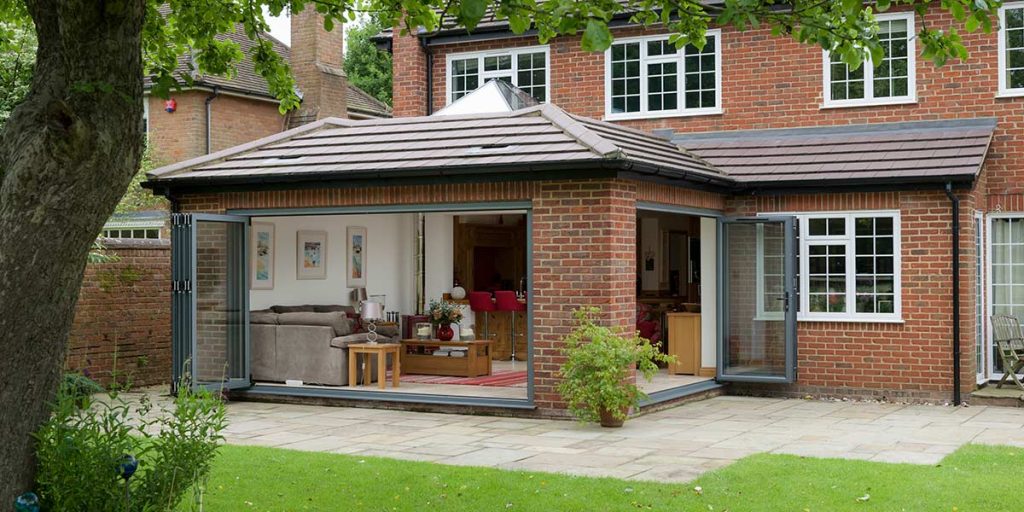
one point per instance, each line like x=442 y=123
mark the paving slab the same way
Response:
x=672 y=445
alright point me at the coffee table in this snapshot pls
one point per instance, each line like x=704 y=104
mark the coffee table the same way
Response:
x=417 y=358
x=381 y=350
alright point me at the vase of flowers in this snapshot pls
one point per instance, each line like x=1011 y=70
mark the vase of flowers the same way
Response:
x=443 y=314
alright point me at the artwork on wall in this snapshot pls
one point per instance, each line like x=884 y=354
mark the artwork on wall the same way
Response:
x=262 y=244
x=312 y=255
x=356 y=257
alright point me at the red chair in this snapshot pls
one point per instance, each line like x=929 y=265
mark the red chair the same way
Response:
x=480 y=302
x=506 y=300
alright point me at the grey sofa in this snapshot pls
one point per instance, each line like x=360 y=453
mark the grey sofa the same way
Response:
x=307 y=343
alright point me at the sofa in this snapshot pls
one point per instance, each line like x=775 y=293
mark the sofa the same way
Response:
x=307 y=343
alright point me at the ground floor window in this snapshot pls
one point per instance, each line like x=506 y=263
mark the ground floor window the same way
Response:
x=1006 y=236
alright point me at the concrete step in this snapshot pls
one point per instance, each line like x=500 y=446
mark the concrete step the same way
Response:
x=1009 y=396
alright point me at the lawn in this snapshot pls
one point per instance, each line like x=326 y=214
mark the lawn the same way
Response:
x=984 y=478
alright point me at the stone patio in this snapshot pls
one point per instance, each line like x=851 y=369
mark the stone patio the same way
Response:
x=677 y=444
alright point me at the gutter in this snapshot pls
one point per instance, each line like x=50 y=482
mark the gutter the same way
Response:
x=955 y=235
x=209 y=116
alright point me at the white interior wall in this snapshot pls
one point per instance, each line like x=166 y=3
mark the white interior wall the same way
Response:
x=709 y=292
x=390 y=261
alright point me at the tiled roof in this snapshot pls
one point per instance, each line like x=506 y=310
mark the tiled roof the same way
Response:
x=866 y=153
x=248 y=81
x=537 y=139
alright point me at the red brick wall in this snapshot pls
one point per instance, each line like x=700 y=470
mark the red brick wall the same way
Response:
x=408 y=76
x=911 y=360
x=235 y=120
x=770 y=82
x=124 y=311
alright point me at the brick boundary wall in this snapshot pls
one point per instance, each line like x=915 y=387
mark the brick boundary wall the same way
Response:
x=124 y=314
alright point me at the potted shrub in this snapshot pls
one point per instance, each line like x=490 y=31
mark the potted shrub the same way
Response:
x=596 y=376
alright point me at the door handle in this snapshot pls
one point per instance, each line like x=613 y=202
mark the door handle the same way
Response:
x=785 y=299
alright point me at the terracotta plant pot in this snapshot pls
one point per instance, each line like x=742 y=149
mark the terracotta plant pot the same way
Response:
x=609 y=420
x=445 y=332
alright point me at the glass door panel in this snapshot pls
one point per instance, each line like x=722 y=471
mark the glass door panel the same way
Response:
x=758 y=300
x=210 y=300
x=1006 y=260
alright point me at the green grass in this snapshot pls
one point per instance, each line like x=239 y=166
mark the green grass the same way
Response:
x=982 y=478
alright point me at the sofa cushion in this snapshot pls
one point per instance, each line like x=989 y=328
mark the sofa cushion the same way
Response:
x=345 y=341
x=293 y=309
x=338 y=320
x=334 y=308
x=263 y=316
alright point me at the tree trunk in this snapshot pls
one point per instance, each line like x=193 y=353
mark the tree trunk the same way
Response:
x=67 y=155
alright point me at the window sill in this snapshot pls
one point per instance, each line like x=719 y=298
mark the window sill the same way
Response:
x=852 y=320
x=868 y=103
x=662 y=115
x=1014 y=93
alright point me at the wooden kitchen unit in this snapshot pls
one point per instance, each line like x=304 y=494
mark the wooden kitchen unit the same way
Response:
x=684 y=343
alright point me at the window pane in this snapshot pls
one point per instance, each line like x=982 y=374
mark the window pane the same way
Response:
x=625 y=65
x=464 y=77
x=699 y=71
x=531 y=75
x=661 y=86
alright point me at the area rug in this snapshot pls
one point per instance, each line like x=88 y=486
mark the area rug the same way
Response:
x=499 y=378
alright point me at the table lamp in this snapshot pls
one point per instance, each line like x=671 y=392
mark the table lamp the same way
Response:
x=372 y=312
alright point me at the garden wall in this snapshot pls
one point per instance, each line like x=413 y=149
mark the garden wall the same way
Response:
x=122 y=327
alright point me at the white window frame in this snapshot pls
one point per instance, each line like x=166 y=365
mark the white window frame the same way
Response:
x=145 y=116
x=869 y=98
x=1005 y=91
x=849 y=240
x=485 y=75
x=981 y=271
x=681 y=111
x=990 y=356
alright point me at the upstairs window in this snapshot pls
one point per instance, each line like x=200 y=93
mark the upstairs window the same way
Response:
x=525 y=68
x=649 y=77
x=1011 y=49
x=892 y=81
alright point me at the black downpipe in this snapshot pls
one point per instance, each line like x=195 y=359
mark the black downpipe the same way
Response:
x=425 y=44
x=955 y=203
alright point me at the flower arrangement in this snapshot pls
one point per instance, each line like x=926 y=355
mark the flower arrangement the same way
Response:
x=444 y=313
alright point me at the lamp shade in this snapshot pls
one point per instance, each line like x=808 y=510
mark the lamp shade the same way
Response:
x=372 y=311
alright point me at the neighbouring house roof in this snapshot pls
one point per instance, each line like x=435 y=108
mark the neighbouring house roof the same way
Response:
x=528 y=142
x=248 y=82
x=140 y=219
x=891 y=153
x=493 y=96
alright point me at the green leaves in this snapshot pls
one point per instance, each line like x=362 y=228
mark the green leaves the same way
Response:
x=597 y=37
x=472 y=12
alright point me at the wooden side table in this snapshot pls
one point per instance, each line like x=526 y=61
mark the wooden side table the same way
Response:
x=381 y=350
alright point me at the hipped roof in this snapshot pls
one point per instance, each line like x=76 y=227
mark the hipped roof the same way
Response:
x=545 y=142
x=528 y=142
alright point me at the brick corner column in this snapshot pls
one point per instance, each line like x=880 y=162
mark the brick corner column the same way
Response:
x=584 y=254
x=409 y=75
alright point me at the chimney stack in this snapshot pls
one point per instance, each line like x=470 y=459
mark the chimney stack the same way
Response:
x=316 y=62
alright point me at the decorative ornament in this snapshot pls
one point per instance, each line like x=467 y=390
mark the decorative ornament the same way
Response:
x=170 y=106
x=128 y=466
x=27 y=502
x=458 y=292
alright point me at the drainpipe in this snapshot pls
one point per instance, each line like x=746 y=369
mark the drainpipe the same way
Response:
x=209 y=99
x=955 y=204
x=425 y=44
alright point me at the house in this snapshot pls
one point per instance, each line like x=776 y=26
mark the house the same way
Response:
x=786 y=225
x=124 y=328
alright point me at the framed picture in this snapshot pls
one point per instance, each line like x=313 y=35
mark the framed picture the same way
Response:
x=262 y=258
x=312 y=255
x=356 y=247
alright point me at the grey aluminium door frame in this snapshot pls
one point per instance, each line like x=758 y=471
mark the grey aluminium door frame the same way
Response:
x=791 y=298
x=184 y=323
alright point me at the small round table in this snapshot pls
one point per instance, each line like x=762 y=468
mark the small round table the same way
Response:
x=381 y=350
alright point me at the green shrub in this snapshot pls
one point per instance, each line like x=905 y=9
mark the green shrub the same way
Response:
x=79 y=389
x=80 y=452
x=596 y=374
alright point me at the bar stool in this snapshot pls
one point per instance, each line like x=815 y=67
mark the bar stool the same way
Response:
x=506 y=300
x=480 y=302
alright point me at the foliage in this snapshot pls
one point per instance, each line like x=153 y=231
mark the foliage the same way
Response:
x=444 y=312
x=79 y=388
x=17 y=59
x=80 y=451
x=596 y=374
x=99 y=254
x=973 y=478
x=366 y=66
x=137 y=198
